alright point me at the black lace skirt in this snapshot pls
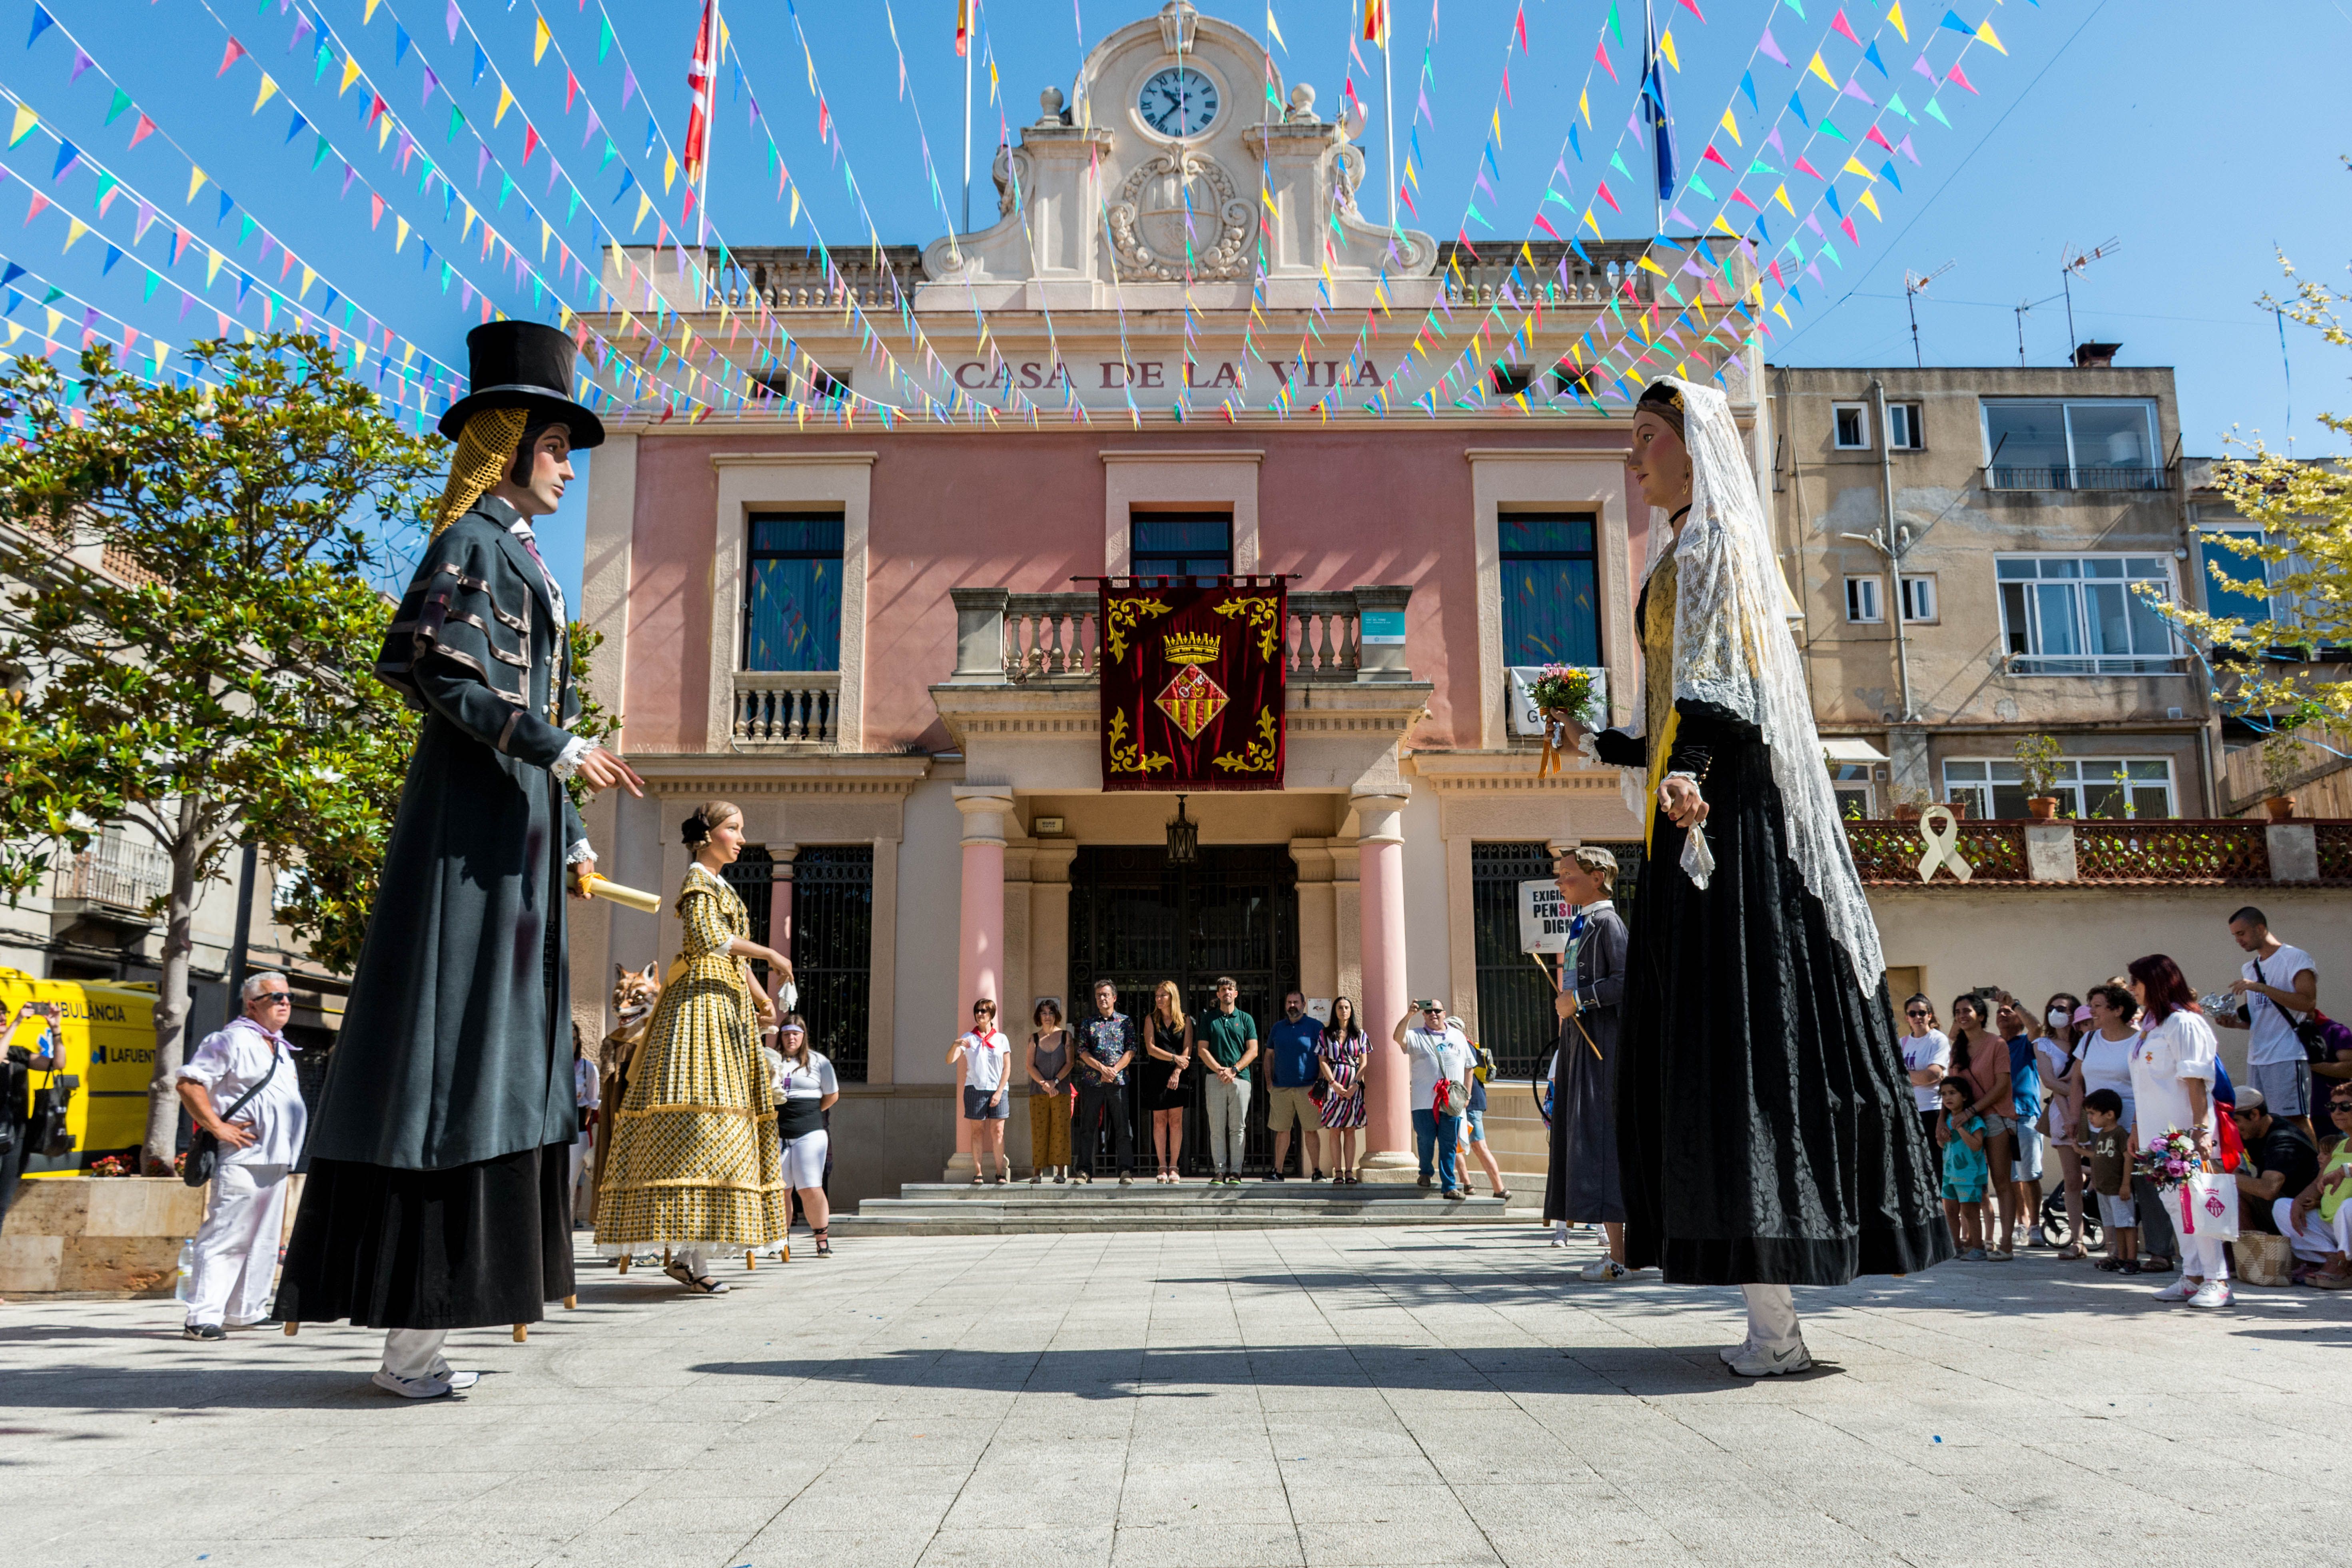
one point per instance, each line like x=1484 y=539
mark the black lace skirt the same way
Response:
x=471 y=1247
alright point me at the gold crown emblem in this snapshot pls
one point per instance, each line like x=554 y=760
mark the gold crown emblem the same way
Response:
x=1191 y=648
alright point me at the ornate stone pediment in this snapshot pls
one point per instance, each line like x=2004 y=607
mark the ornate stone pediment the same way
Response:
x=1179 y=215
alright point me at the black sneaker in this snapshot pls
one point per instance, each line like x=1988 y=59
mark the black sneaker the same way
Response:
x=1319 y=1176
x=204 y=1331
x=1271 y=1176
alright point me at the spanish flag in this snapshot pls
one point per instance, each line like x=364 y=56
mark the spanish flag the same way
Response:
x=963 y=26
x=1376 y=22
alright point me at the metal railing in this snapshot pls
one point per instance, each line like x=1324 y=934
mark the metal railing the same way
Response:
x=789 y=708
x=114 y=872
x=2035 y=477
x=1039 y=638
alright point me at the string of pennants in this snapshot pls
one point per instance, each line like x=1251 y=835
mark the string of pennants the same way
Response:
x=695 y=376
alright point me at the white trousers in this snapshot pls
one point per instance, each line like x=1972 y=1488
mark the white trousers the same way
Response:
x=410 y=1352
x=2315 y=1238
x=2202 y=1256
x=236 y=1250
x=1772 y=1317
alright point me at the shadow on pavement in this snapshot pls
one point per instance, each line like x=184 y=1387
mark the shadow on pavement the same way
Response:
x=1137 y=1374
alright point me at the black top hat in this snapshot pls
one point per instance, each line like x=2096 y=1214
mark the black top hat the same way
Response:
x=523 y=364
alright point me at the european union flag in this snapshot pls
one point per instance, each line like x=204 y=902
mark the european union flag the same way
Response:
x=1661 y=118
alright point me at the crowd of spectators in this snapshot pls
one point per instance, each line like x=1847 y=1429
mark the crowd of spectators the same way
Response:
x=2076 y=1093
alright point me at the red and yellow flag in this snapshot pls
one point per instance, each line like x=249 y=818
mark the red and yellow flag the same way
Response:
x=963 y=26
x=1376 y=22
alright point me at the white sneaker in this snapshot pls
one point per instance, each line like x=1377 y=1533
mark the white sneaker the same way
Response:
x=2212 y=1293
x=1733 y=1355
x=1760 y=1362
x=2179 y=1290
x=1559 y=1241
x=1603 y=1268
x=2033 y=1237
x=459 y=1380
x=412 y=1387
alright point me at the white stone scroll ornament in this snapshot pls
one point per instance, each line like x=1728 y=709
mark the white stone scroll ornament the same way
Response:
x=1941 y=829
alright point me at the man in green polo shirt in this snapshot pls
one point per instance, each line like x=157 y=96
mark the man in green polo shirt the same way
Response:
x=1228 y=1045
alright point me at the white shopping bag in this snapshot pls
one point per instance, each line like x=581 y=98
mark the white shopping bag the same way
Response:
x=2209 y=1206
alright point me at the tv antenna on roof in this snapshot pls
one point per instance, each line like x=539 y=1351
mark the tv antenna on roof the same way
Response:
x=1913 y=285
x=2071 y=264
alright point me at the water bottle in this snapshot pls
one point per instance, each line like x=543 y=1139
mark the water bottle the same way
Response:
x=180 y=1292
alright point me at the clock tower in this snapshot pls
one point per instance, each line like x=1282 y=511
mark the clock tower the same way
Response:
x=1166 y=180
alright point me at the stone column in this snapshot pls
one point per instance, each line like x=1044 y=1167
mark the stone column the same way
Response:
x=979 y=936
x=780 y=897
x=1388 y=1120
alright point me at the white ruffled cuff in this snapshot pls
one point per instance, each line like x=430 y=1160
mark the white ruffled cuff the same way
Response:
x=583 y=850
x=567 y=762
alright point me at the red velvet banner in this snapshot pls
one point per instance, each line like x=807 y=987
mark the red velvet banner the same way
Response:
x=1191 y=684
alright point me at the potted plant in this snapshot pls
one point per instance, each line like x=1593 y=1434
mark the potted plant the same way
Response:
x=1910 y=801
x=2282 y=758
x=2037 y=763
x=1563 y=695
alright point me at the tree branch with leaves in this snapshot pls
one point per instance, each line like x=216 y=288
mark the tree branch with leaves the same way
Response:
x=195 y=607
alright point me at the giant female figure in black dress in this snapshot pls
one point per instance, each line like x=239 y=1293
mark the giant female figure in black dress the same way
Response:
x=1765 y=1134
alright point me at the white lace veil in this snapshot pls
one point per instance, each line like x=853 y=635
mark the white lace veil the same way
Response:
x=1732 y=649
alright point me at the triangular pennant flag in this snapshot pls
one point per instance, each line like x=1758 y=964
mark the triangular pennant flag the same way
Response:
x=229 y=57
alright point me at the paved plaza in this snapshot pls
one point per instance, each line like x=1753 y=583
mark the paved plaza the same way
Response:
x=1319 y=1398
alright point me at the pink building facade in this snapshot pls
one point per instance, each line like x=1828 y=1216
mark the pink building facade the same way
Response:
x=878 y=640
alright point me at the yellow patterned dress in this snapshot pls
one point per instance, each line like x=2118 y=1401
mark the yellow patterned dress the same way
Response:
x=695 y=1163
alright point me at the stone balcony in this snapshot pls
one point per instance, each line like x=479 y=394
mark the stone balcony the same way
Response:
x=2069 y=853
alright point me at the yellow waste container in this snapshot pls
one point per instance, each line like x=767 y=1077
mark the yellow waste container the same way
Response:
x=107 y=1034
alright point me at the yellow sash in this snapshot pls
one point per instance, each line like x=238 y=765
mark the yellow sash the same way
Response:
x=1666 y=749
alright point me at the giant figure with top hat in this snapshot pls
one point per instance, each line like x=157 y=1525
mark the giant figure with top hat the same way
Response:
x=439 y=1193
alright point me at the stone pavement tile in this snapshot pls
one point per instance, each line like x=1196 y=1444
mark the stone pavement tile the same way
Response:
x=653 y=1516
x=1046 y=1546
x=788 y=1544
x=222 y=1548
x=602 y=1549
x=1207 y=1546
x=846 y=1505
x=739 y=1475
x=469 y=1550
x=1153 y=1500
x=1423 y=1503
x=1406 y=1543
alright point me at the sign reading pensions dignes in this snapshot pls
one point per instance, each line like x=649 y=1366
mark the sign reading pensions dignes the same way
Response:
x=1191 y=684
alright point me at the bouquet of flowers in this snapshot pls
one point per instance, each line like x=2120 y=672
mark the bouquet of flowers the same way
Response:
x=2170 y=1160
x=1563 y=695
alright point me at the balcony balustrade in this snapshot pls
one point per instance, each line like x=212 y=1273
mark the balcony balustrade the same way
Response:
x=1038 y=639
x=2228 y=852
x=2037 y=476
x=787 y=708
x=115 y=873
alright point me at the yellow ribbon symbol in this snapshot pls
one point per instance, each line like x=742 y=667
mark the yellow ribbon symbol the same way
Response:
x=1941 y=829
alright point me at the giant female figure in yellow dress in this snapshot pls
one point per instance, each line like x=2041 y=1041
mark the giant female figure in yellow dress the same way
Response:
x=695 y=1164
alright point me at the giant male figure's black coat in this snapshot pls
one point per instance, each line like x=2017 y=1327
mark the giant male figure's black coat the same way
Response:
x=439 y=1184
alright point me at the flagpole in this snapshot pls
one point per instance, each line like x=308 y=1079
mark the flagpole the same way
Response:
x=710 y=128
x=967 y=126
x=1657 y=129
x=1388 y=112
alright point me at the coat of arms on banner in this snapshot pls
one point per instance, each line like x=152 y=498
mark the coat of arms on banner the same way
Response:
x=1192 y=684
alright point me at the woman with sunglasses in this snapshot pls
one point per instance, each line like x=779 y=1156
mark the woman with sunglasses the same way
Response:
x=1981 y=1056
x=807 y=1087
x=1926 y=1056
x=986 y=1055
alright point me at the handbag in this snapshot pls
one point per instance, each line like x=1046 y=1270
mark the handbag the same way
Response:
x=46 y=1132
x=2321 y=1036
x=204 y=1147
x=2209 y=1206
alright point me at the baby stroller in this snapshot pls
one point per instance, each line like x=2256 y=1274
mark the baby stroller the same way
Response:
x=2058 y=1232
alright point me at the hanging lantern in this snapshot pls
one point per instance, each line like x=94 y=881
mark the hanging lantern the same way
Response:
x=1183 y=837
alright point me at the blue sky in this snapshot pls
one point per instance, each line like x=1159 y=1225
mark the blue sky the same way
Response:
x=2150 y=122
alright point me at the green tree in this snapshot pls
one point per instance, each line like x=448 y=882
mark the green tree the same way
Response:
x=214 y=685
x=2303 y=557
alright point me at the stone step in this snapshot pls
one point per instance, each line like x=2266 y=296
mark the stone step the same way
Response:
x=960 y=1209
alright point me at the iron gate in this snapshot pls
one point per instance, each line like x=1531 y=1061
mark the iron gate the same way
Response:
x=831 y=946
x=1136 y=921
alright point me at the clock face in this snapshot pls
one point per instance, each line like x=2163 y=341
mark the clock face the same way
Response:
x=1178 y=101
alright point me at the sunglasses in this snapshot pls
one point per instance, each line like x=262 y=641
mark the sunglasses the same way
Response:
x=274 y=997
x=1917 y=1013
